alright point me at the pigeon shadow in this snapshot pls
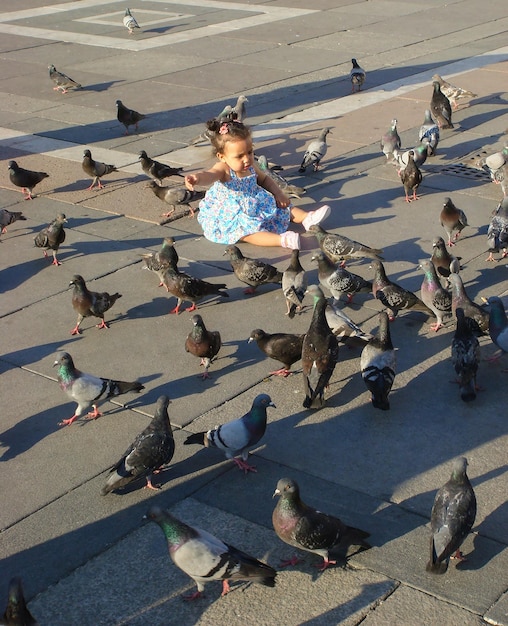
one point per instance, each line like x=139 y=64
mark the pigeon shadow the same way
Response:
x=104 y=86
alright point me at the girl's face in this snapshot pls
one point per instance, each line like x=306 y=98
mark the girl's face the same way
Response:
x=238 y=155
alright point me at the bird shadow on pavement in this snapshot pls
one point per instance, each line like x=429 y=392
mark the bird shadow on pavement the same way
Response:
x=32 y=355
x=101 y=86
x=11 y=278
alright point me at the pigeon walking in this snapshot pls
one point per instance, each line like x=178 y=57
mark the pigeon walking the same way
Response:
x=283 y=347
x=16 y=612
x=438 y=300
x=411 y=178
x=204 y=557
x=96 y=169
x=52 y=237
x=357 y=76
x=237 y=437
x=26 y=179
x=173 y=196
x=86 y=389
x=315 y=151
x=377 y=364
x=465 y=357
x=440 y=107
x=252 y=272
x=129 y=21
x=344 y=328
x=62 y=81
x=188 y=288
x=239 y=111
x=401 y=159
x=203 y=343
x=339 y=247
x=390 y=141
x=497 y=234
x=151 y=450
x=429 y=134
x=9 y=217
x=444 y=262
x=452 y=219
x=476 y=316
x=159 y=262
x=453 y=515
x=294 y=284
x=303 y=527
x=156 y=170
x=453 y=93
x=495 y=165
x=339 y=280
x=90 y=303
x=128 y=117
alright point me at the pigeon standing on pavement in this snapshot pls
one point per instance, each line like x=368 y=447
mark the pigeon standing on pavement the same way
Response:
x=252 y=272
x=129 y=21
x=465 y=357
x=497 y=234
x=292 y=191
x=87 y=389
x=343 y=326
x=62 y=81
x=452 y=219
x=401 y=159
x=339 y=280
x=173 y=196
x=159 y=262
x=303 y=527
x=203 y=343
x=156 y=170
x=151 y=450
x=90 y=303
x=16 y=612
x=9 y=217
x=434 y=296
x=377 y=364
x=26 y=179
x=429 y=134
x=357 y=76
x=283 y=347
x=294 y=284
x=128 y=117
x=51 y=237
x=411 y=178
x=204 y=557
x=339 y=247
x=444 y=262
x=237 y=437
x=495 y=165
x=498 y=324
x=453 y=93
x=390 y=141
x=239 y=111
x=189 y=288
x=477 y=317
x=315 y=151
x=453 y=515
x=96 y=169
x=440 y=107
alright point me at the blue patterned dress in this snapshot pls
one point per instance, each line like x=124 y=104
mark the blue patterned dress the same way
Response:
x=240 y=207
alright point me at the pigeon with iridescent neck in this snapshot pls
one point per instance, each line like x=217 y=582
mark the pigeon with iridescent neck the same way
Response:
x=434 y=296
x=377 y=364
x=51 y=237
x=357 y=75
x=159 y=262
x=315 y=152
x=283 y=347
x=497 y=234
x=440 y=107
x=477 y=318
x=26 y=179
x=17 y=613
x=203 y=343
x=452 y=219
x=390 y=141
x=429 y=134
x=339 y=280
x=294 y=284
x=88 y=303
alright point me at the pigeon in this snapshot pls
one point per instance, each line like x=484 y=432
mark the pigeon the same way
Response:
x=96 y=169
x=128 y=117
x=498 y=325
x=157 y=170
x=497 y=234
x=203 y=343
x=451 y=218
x=343 y=326
x=452 y=518
x=86 y=389
x=16 y=612
x=494 y=163
x=204 y=557
x=411 y=177
x=438 y=300
x=90 y=303
x=236 y=437
x=465 y=357
x=9 y=217
x=453 y=93
x=357 y=76
x=62 y=81
x=440 y=107
x=402 y=158
x=26 y=179
x=305 y=528
x=339 y=280
x=173 y=196
x=159 y=262
x=444 y=262
x=429 y=134
x=377 y=364
x=252 y=272
x=283 y=347
x=52 y=236
x=476 y=317
x=315 y=151
x=339 y=247
x=393 y=296
x=500 y=177
x=151 y=450
x=294 y=284
x=188 y=288
x=390 y=141
x=239 y=111
x=129 y=22
x=320 y=351
x=292 y=191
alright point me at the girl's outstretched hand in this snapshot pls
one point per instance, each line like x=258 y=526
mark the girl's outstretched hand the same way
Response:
x=281 y=199
x=190 y=181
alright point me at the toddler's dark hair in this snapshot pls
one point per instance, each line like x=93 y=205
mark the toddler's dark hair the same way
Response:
x=224 y=131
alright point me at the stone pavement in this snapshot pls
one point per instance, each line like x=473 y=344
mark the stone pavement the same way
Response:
x=90 y=560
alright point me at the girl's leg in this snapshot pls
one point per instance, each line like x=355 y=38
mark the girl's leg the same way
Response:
x=288 y=239
x=308 y=219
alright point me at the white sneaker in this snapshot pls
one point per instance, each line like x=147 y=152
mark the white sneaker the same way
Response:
x=316 y=217
x=290 y=240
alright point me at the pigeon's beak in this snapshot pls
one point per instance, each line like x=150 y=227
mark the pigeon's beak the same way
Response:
x=55 y=363
x=250 y=340
x=484 y=300
x=276 y=493
x=224 y=253
x=272 y=404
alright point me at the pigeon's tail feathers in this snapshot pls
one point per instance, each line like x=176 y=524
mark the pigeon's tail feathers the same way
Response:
x=115 y=481
x=199 y=438
x=357 y=537
x=252 y=569
x=119 y=387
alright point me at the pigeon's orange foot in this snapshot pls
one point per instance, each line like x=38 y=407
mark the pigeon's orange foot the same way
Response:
x=436 y=326
x=192 y=308
x=150 y=485
x=76 y=331
x=282 y=372
x=249 y=291
x=244 y=466
x=225 y=588
x=103 y=324
x=176 y=310
x=56 y=262
x=69 y=421
x=93 y=414
x=193 y=596
x=326 y=562
x=290 y=562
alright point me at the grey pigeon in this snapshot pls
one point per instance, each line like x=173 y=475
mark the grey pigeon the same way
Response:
x=303 y=527
x=429 y=134
x=377 y=364
x=390 y=141
x=283 y=347
x=451 y=92
x=16 y=612
x=453 y=515
x=339 y=247
x=156 y=170
x=292 y=191
x=452 y=219
x=52 y=236
x=411 y=178
x=151 y=450
x=128 y=117
x=434 y=296
x=62 y=81
x=477 y=317
x=294 y=284
x=444 y=262
x=440 y=107
x=497 y=234
x=189 y=288
x=204 y=557
x=203 y=343
x=494 y=163
x=173 y=196
x=87 y=389
x=500 y=177
x=129 y=21
x=498 y=324
x=26 y=179
x=96 y=169
x=465 y=357
x=320 y=351
x=344 y=328
x=237 y=437
x=252 y=272
x=239 y=111
x=9 y=217
x=393 y=296
x=357 y=76
x=402 y=158
x=88 y=303
x=315 y=151
x=339 y=280
x=159 y=262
